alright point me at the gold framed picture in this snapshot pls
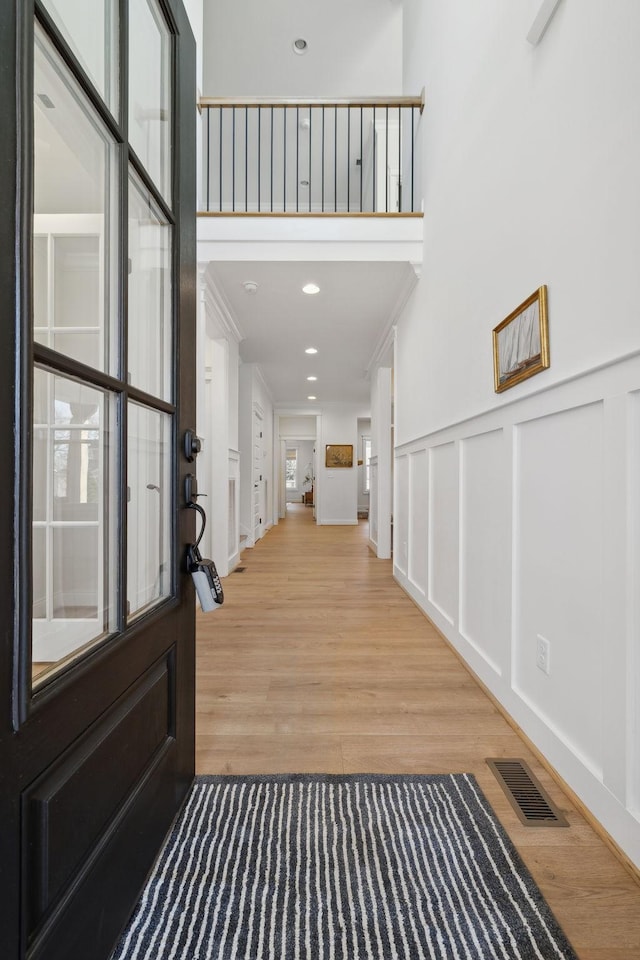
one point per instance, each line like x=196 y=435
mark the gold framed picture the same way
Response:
x=521 y=342
x=338 y=455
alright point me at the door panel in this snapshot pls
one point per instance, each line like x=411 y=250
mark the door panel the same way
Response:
x=97 y=750
x=124 y=741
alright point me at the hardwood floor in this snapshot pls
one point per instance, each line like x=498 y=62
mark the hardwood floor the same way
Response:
x=318 y=662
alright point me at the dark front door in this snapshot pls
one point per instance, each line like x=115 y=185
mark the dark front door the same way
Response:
x=97 y=286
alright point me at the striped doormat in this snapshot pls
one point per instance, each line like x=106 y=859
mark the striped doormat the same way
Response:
x=339 y=868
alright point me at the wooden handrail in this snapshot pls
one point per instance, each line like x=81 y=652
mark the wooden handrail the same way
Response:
x=239 y=102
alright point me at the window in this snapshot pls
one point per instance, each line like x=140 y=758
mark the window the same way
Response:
x=291 y=470
x=366 y=456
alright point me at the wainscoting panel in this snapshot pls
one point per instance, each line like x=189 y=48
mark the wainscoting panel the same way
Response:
x=401 y=514
x=233 y=513
x=485 y=546
x=532 y=540
x=373 y=503
x=418 y=511
x=558 y=515
x=443 y=529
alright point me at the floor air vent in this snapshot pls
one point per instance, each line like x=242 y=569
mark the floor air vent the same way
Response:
x=528 y=798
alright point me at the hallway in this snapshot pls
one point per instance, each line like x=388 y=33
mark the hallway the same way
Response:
x=318 y=662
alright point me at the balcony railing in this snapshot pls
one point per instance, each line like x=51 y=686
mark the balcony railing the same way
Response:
x=316 y=157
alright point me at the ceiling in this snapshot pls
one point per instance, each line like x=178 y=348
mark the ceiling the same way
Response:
x=354 y=48
x=345 y=322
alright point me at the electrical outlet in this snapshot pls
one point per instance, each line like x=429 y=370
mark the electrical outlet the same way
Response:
x=543 y=655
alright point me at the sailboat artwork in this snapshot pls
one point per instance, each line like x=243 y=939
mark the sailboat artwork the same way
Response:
x=521 y=342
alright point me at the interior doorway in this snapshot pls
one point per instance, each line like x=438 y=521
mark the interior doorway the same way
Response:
x=297 y=439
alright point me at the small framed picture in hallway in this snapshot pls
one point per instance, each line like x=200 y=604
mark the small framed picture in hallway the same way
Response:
x=338 y=455
x=521 y=342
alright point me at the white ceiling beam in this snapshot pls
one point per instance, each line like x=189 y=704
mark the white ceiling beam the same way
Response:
x=310 y=238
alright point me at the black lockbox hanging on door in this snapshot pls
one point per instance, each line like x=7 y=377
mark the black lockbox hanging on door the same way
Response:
x=204 y=573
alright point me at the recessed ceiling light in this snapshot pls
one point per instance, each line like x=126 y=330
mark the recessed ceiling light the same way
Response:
x=312 y=378
x=312 y=398
x=251 y=287
x=300 y=46
x=310 y=288
x=311 y=350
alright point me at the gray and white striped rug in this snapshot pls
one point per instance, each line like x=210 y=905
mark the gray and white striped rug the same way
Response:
x=340 y=868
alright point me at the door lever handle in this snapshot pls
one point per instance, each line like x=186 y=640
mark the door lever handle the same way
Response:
x=191 y=494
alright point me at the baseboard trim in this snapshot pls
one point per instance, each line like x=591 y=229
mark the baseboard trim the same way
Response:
x=594 y=823
x=337 y=523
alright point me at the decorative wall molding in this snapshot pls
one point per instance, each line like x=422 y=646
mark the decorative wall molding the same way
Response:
x=498 y=410
x=524 y=521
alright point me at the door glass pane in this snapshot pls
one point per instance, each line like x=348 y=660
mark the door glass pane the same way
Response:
x=91 y=30
x=73 y=583
x=150 y=91
x=150 y=310
x=149 y=508
x=75 y=219
x=76 y=298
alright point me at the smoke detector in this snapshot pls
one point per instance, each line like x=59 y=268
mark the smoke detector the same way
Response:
x=250 y=287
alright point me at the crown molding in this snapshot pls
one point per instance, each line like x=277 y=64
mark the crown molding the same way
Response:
x=260 y=376
x=215 y=300
x=409 y=282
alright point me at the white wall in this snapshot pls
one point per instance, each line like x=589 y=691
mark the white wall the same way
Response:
x=517 y=515
x=354 y=48
x=297 y=427
x=195 y=12
x=530 y=173
x=217 y=466
x=337 y=489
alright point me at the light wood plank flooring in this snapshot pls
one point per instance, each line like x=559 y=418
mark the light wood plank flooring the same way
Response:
x=318 y=662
